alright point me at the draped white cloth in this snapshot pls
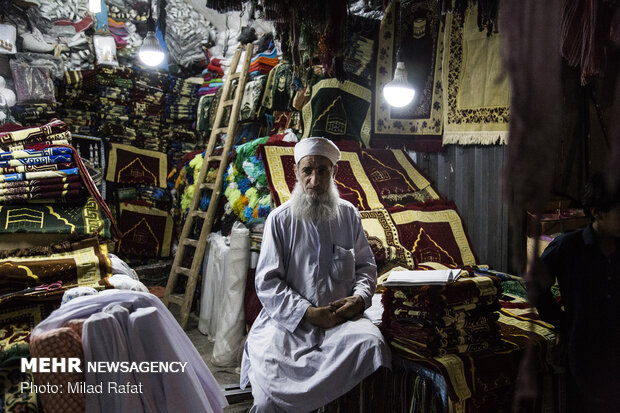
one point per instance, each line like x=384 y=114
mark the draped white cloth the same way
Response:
x=290 y=363
x=151 y=334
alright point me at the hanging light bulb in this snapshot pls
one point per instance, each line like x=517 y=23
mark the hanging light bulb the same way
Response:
x=399 y=92
x=94 y=6
x=150 y=52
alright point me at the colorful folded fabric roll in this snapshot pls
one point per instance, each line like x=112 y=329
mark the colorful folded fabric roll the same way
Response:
x=29 y=134
x=67 y=196
x=36 y=168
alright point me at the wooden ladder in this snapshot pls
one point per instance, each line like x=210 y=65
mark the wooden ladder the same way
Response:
x=199 y=245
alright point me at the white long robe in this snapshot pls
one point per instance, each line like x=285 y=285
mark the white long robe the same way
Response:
x=288 y=361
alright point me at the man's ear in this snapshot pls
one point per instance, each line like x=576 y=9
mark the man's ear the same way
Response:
x=334 y=170
x=596 y=214
x=295 y=169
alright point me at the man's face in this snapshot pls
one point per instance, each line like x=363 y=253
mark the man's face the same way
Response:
x=315 y=173
x=609 y=222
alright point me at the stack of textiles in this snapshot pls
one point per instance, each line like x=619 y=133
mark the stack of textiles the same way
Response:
x=62 y=27
x=178 y=150
x=46 y=190
x=182 y=141
x=211 y=82
x=130 y=327
x=79 y=100
x=114 y=105
x=125 y=36
x=262 y=63
x=188 y=33
x=181 y=100
x=435 y=320
x=122 y=11
x=181 y=103
x=39 y=175
x=148 y=110
x=79 y=55
x=34 y=113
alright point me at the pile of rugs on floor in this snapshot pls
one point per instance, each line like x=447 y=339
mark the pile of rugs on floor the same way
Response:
x=435 y=320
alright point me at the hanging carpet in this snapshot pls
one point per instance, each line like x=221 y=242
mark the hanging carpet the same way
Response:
x=434 y=233
x=338 y=111
x=129 y=165
x=477 y=97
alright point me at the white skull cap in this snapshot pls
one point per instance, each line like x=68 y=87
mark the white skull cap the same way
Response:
x=317 y=146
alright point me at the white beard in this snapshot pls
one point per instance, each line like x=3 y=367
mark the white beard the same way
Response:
x=316 y=208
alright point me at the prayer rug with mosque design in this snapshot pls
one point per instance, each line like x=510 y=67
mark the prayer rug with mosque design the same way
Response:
x=434 y=232
x=129 y=165
x=396 y=178
x=146 y=231
x=54 y=219
x=338 y=111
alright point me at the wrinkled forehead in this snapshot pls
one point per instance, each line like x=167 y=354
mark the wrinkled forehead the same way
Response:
x=314 y=161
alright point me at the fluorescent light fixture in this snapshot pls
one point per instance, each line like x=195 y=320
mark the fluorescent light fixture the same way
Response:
x=94 y=6
x=151 y=53
x=399 y=92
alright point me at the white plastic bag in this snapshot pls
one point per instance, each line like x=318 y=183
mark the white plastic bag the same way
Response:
x=213 y=270
x=231 y=324
x=105 y=50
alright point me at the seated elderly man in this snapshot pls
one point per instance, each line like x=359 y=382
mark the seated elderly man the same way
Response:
x=315 y=277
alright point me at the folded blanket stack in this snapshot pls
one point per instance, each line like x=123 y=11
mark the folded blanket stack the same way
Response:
x=60 y=27
x=212 y=78
x=34 y=113
x=262 y=63
x=212 y=81
x=181 y=109
x=115 y=86
x=31 y=172
x=78 y=98
x=148 y=110
x=126 y=37
x=435 y=320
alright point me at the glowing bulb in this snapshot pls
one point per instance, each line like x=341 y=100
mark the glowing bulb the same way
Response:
x=150 y=52
x=399 y=92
